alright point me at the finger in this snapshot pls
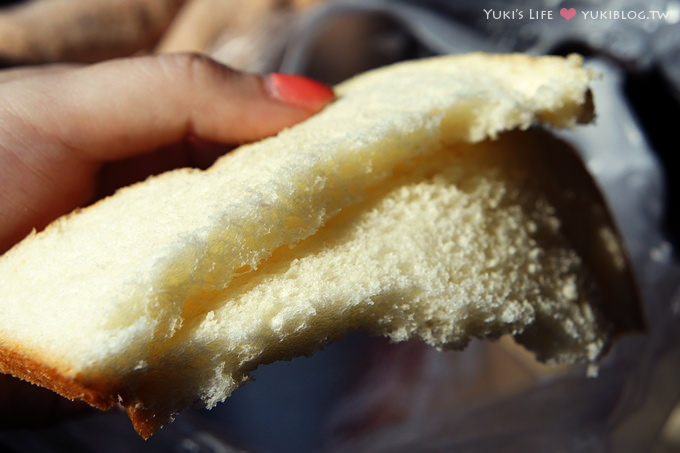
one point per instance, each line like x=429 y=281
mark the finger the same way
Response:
x=22 y=72
x=56 y=130
x=82 y=30
x=117 y=109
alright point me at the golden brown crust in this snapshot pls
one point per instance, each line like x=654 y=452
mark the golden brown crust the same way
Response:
x=145 y=421
x=24 y=367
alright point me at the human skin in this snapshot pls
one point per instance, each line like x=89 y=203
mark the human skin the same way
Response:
x=70 y=135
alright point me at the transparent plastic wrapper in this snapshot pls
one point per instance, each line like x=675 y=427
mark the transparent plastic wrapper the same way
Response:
x=410 y=397
x=626 y=407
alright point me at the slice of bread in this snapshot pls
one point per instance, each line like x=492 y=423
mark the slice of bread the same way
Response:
x=390 y=211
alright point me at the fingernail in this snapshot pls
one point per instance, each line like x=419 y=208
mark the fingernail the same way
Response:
x=298 y=91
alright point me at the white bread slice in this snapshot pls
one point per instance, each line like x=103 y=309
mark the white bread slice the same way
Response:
x=376 y=214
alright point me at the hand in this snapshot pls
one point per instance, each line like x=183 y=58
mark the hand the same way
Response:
x=72 y=135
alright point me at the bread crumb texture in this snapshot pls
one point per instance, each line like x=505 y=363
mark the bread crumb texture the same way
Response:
x=389 y=211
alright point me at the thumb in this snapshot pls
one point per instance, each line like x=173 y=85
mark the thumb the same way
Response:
x=120 y=108
x=57 y=129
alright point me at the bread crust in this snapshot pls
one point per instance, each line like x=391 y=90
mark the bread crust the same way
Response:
x=149 y=407
x=22 y=366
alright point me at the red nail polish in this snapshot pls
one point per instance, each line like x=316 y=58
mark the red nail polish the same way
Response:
x=299 y=91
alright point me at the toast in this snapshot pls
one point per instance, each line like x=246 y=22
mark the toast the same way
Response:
x=421 y=204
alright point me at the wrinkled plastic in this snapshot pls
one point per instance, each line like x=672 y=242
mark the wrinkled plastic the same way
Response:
x=625 y=408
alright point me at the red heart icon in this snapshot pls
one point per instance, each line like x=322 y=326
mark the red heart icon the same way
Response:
x=567 y=13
